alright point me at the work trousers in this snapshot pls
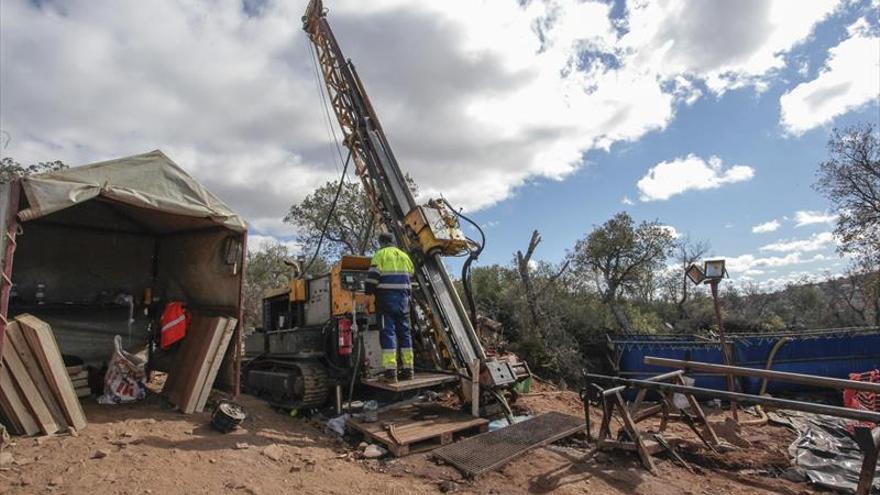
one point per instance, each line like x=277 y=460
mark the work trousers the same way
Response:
x=393 y=309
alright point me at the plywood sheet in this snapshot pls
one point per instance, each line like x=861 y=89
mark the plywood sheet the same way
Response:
x=214 y=366
x=44 y=347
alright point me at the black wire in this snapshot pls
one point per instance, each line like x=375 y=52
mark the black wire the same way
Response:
x=329 y=214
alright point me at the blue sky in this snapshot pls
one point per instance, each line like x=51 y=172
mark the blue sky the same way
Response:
x=707 y=115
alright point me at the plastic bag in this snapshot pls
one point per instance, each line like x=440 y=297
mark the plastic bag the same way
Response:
x=124 y=381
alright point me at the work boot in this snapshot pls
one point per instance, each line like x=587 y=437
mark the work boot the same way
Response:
x=390 y=376
x=405 y=374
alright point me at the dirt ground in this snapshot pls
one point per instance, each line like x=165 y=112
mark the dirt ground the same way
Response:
x=148 y=448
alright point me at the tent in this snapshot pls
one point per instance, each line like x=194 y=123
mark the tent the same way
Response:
x=98 y=250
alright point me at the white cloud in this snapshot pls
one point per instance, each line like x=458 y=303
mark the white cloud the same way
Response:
x=514 y=91
x=849 y=80
x=258 y=242
x=809 y=217
x=765 y=227
x=666 y=179
x=625 y=200
x=814 y=243
x=672 y=231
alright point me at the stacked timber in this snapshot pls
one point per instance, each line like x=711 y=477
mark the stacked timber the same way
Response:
x=198 y=361
x=37 y=395
x=79 y=375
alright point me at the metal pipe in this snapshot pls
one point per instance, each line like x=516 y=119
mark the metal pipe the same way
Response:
x=784 y=376
x=840 y=412
x=658 y=378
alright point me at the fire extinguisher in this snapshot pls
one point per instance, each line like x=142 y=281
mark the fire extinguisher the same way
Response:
x=344 y=331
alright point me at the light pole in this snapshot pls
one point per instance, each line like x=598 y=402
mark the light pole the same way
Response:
x=712 y=273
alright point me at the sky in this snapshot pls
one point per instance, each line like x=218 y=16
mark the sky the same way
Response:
x=709 y=116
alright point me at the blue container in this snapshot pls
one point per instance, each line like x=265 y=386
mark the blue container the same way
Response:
x=833 y=353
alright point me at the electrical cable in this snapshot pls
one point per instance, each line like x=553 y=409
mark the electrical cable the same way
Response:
x=322 y=96
x=329 y=214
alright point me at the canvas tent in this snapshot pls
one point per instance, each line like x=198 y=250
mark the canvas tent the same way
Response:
x=93 y=241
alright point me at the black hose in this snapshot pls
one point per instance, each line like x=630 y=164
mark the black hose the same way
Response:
x=473 y=255
x=329 y=215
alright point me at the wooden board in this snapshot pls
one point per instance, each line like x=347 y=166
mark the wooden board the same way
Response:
x=30 y=394
x=19 y=343
x=73 y=370
x=80 y=382
x=214 y=366
x=83 y=392
x=82 y=375
x=417 y=429
x=13 y=406
x=420 y=380
x=42 y=343
x=191 y=363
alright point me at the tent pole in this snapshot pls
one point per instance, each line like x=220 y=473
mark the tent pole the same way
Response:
x=237 y=363
x=8 y=255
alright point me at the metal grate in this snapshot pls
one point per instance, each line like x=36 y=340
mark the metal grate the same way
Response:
x=491 y=450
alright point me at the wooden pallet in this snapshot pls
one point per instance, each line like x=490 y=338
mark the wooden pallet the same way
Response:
x=420 y=380
x=418 y=428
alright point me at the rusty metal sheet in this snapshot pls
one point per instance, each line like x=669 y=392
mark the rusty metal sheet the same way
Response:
x=489 y=451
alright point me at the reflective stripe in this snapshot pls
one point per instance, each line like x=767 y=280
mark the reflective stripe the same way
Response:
x=406 y=286
x=173 y=322
x=406 y=355
x=389 y=359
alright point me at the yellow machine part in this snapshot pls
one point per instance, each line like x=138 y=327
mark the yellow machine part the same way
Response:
x=342 y=298
x=297 y=290
x=437 y=230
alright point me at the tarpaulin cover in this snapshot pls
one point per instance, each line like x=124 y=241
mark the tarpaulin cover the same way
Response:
x=149 y=180
x=824 y=450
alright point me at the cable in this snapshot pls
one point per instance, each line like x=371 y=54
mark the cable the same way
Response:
x=329 y=214
x=328 y=121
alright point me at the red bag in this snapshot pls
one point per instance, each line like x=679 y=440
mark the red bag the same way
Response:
x=175 y=320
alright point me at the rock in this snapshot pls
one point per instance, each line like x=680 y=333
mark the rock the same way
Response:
x=56 y=481
x=448 y=486
x=212 y=461
x=362 y=445
x=127 y=434
x=274 y=452
x=373 y=451
x=241 y=446
x=6 y=459
x=72 y=431
x=100 y=454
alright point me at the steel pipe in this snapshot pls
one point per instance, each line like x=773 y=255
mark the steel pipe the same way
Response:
x=658 y=378
x=783 y=376
x=840 y=412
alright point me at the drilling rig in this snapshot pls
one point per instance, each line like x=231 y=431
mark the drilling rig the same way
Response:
x=322 y=331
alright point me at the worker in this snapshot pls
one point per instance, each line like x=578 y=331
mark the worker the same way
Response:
x=389 y=279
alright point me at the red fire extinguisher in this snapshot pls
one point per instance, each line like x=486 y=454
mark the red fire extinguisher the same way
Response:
x=344 y=331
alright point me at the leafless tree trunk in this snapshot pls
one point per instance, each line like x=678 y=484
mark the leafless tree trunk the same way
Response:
x=688 y=252
x=522 y=264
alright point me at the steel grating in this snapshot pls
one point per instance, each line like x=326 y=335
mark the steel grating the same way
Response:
x=488 y=451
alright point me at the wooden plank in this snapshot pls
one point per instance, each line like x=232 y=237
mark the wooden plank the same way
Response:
x=191 y=365
x=17 y=341
x=13 y=405
x=73 y=370
x=83 y=392
x=420 y=380
x=81 y=382
x=214 y=366
x=30 y=394
x=79 y=376
x=42 y=343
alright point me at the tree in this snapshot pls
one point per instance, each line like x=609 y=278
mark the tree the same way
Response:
x=619 y=255
x=350 y=229
x=11 y=169
x=850 y=179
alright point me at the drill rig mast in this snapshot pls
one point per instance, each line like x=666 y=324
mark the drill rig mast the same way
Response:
x=425 y=231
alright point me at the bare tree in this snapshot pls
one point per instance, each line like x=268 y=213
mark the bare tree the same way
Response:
x=687 y=252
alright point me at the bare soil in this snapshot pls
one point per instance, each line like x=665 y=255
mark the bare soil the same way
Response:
x=148 y=448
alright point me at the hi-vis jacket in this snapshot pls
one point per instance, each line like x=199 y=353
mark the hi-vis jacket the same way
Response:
x=390 y=269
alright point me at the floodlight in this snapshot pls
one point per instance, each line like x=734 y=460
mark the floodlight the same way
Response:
x=714 y=269
x=695 y=274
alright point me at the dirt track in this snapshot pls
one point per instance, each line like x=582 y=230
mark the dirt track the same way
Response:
x=151 y=449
